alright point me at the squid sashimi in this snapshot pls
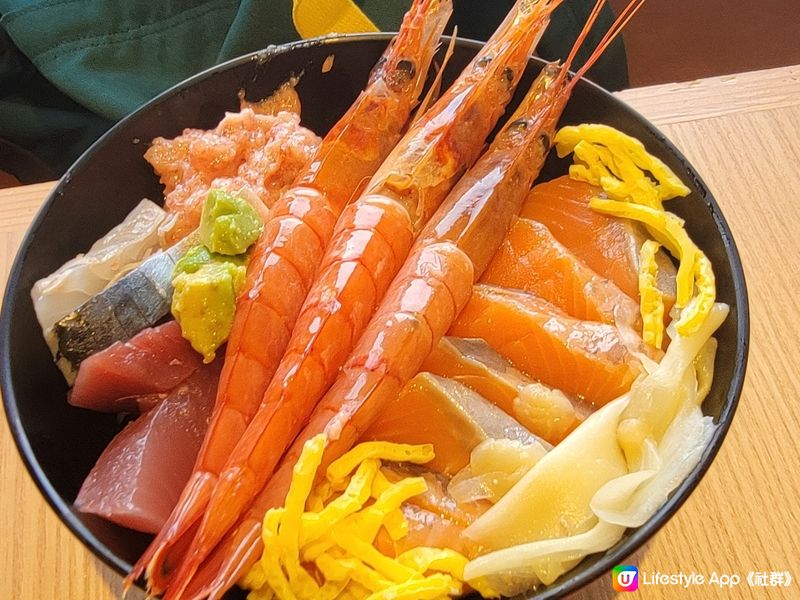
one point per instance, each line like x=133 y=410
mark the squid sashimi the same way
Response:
x=584 y=358
x=138 y=478
x=137 y=374
x=455 y=419
x=546 y=412
x=532 y=259
x=608 y=245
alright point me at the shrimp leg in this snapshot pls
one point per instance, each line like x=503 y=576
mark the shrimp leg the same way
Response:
x=286 y=257
x=433 y=286
x=371 y=241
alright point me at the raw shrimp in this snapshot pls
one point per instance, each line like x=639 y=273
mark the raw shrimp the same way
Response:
x=371 y=241
x=423 y=300
x=286 y=256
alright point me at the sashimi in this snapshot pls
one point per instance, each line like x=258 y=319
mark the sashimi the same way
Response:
x=139 y=476
x=434 y=518
x=475 y=364
x=608 y=245
x=532 y=259
x=134 y=375
x=455 y=419
x=546 y=412
x=584 y=358
x=427 y=528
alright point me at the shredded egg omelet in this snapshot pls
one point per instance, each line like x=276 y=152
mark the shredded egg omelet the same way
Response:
x=320 y=544
x=620 y=165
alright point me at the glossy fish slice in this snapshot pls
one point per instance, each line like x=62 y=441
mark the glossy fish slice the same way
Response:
x=139 y=476
x=584 y=358
x=607 y=245
x=546 y=412
x=446 y=413
x=533 y=260
x=132 y=376
x=135 y=301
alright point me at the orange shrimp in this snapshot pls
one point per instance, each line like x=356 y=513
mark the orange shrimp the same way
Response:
x=432 y=287
x=284 y=261
x=371 y=241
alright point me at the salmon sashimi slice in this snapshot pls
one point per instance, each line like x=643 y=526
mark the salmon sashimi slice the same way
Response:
x=584 y=358
x=139 y=476
x=439 y=411
x=544 y=411
x=532 y=259
x=426 y=528
x=135 y=375
x=608 y=245
x=435 y=519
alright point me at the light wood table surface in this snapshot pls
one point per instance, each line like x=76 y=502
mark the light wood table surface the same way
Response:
x=742 y=133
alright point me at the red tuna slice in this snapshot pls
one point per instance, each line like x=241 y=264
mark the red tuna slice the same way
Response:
x=135 y=375
x=138 y=478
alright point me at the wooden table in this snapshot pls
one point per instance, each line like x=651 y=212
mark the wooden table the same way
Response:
x=742 y=132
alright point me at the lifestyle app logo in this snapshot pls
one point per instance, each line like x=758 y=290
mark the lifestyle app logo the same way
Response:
x=625 y=578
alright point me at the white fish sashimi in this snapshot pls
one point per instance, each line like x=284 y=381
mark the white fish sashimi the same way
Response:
x=116 y=253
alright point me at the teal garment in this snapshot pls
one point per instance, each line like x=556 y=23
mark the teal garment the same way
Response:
x=69 y=69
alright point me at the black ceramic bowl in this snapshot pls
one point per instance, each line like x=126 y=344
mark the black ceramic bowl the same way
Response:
x=59 y=443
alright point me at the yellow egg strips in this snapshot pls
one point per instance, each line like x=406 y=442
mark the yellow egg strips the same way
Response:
x=320 y=544
x=620 y=165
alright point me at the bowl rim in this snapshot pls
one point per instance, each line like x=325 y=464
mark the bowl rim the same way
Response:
x=567 y=583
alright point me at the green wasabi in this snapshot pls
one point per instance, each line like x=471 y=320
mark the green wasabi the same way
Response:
x=228 y=225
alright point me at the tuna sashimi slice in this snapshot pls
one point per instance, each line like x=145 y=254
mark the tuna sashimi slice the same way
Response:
x=138 y=478
x=134 y=375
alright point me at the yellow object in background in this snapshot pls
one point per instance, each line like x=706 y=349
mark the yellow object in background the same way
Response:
x=313 y=18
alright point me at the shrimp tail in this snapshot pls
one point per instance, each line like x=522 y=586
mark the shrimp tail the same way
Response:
x=155 y=563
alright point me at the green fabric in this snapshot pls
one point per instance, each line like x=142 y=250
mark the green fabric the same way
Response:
x=70 y=68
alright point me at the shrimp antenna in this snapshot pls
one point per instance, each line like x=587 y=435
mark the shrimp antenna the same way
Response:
x=622 y=20
x=590 y=21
